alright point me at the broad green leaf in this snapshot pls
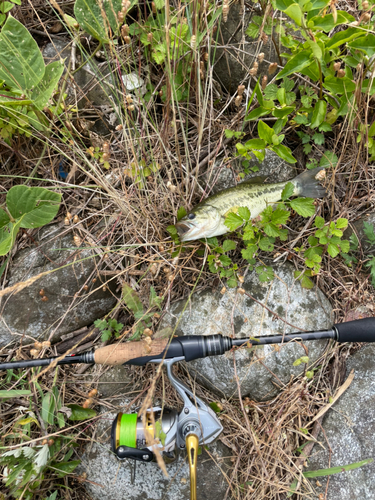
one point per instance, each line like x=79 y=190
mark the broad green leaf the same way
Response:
x=327 y=23
x=287 y=191
x=257 y=113
x=4 y=218
x=369 y=231
x=337 y=470
x=48 y=408
x=80 y=413
x=217 y=407
x=281 y=112
x=229 y=245
x=265 y=273
x=365 y=43
x=266 y=244
x=14 y=393
x=342 y=223
x=319 y=222
x=280 y=215
x=249 y=251
x=303 y=206
x=265 y=132
x=244 y=212
x=98 y=18
x=319 y=114
x=284 y=152
x=6 y=7
x=34 y=206
x=343 y=37
x=283 y=4
x=225 y=260
x=296 y=63
x=131 y=299
x=339 y=85
x=159 y=4
x=233 y=221
x=21 y=62
x=333 y=249
x=344 y=246
x=255 y=144
x=294 y=12
x=181 y=212
x=271 y=229
x=63 y=468
x=47 y=84
x=8 y=235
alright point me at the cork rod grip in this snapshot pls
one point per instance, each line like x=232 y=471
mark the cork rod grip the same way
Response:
x=117 y=354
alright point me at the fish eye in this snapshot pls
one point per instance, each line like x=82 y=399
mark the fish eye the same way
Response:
x=191 y=216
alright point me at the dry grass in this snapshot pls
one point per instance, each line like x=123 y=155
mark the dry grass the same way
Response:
x=184 y=139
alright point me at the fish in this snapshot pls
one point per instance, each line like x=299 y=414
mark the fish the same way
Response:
x=206 y=220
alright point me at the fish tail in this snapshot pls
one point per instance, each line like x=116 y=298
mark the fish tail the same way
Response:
x=307 y=185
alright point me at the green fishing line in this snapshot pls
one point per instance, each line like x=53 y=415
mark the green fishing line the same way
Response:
x=128 y=429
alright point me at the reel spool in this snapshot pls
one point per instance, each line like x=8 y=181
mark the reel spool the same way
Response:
x=129 y=439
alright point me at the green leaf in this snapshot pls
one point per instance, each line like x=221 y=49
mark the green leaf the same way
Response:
x=266 y=244
x=282 y=112
x=64 y=468
x=336 y=470
x=365 y=43
x=270 y=92
x=344 y=246
x=280 y=215
x=265 y=273
x=80 y=413
x=181 y=212
x=4 y=218
x=319 y=222
x=248 y=252
x=14 y=393
x=21 y=62
x=233 y=221
x=301 y=119
x=265 y=132
x=43 y=91
x=284 y=152
x=303 y=206
x=255 y=144
x=328 y=160
x=8 y=235
x=287 y=191
x=131 y=299
x=48 y=408
x=343 y=37
x=319 y=114
x=298 y=62
x=333 y=249
x=294 y=12
x=342 y=223
x=369 y=231
x=318 y=138
x=244 y=212
x=229 y=245
x=217 y=407
x=6 y=7
x=33 y=205
x=257 y=113
x=225 y=260
x=339 y=85
x=99 y=18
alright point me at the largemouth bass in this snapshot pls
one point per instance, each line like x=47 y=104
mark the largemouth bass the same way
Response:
x=207 y=218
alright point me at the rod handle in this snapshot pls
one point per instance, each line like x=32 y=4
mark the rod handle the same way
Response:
x=118 y=354
x=360 y=330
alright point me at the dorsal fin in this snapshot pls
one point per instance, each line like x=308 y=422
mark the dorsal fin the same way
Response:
x=259 y=179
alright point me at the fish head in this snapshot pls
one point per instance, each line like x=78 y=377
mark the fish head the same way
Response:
x=201 y=222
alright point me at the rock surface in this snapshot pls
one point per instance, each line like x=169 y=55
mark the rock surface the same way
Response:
x=25 y=315
x=349 y=427
x=110 y=479
x=210 y=313
x=115 y=381
x=272 y=167
x=232 y=63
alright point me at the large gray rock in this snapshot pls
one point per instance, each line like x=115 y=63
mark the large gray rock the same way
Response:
x=272 y=167
x=27 y=316
x=209 y=313
x=232 y=63
x=350 y=428
x=110 y=479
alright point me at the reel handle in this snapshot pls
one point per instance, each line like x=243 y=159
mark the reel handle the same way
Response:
x=192 y=444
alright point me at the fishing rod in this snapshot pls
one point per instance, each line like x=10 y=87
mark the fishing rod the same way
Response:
x=197 y=423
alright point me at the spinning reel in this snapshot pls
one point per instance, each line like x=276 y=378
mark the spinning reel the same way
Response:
x=195 y=425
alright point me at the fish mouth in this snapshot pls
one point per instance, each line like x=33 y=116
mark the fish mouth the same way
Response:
x=183 y=229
